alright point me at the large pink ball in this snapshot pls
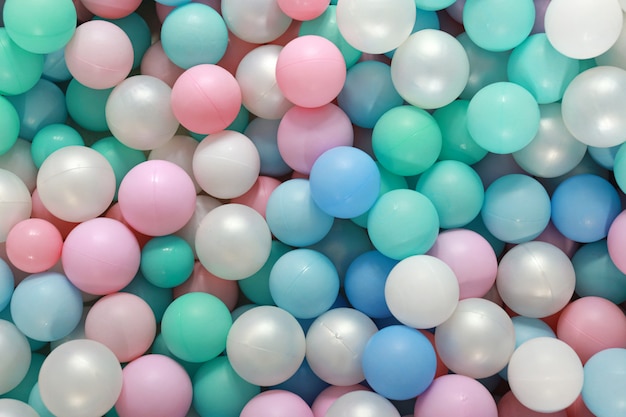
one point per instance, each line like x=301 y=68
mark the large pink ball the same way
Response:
x=206 y=98
x=154 y=386
x=157 y=197
x=276 y=403
x=111 y=9
x=100 y=256
x=310 y=71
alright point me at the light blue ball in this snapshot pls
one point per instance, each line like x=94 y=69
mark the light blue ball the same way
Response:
x=486 y=67
x=263 y=133
x=597 y=275
x=304 y=383
x=527 y=328
x=46 y=306
x=605 y=157
x=7 y=284
x=516 y=208
x=304 y=282
x=54 y=67
x=604 y=381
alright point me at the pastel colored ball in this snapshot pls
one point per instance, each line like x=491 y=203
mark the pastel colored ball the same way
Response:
x=258 y=196
x=456 y=142
x=157 y=298
x=603 y=373
x=206 y=98
x=18 y=202
x=596 y=273
x=20 y=69
x=154 y=385
x=264 y=134
x=329 y=395
x=509 y=406
x=258 y=21
x=303 y=9
x=13 y=408
x=34 y=245
x=179 y=150
x=76 y=183
x=362 y=402
x=256 y=287
x=167 y=261
x=86 y=106
x=276 y=403
x=310 y=71
x=16 y=359
x=157 y=197
x=157 y=64
x=11 y=122
x=111 y=11
x=530 y=269
x=615 y=241
x=7 y=284
x=52 y=138
x=100 y=256
x=99 y=55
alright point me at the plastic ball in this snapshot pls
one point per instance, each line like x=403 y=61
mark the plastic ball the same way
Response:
x=139 y=114
x=7 y=284
x=138 y=32
x=615 y=54
x=545 y=374
x=19 y=68
x=456 y=142
x=206 y=98
x=604 y=374
x=362 y=403
x=264 y=134
x=304 y=282
x=592 y=104
x=76 y=183
x=121 y=157
x=329 y=395
x=157 y=197
x=364 y=283
x=303 y=9
x=111 y=11
x=403 y=223
x=157 y=298
x=596 y=273
x=276 y=403
x=99 y=55
x=477 y=340
x=19 y=161
x=518 y=120
x=86 y=106
x=202 y=280
x=80 y=369
x=226 y=164
x=516 y=208
x=17 y=202
x=157 y=64
x=450 y=395
x=584 y=206
x=615 y=241
x=536 y=279
x=154 y=385
x=38 y=26
x=16 y=357
x=435 y=288
x=375 y=27
x=304 y=134
x=257 y=21
x=345 y=182
x=256 y=75
x=179 y=150
x=13 y=408
x=266 y=345
x=583 y=29
x=497 y=25
x=310 y=71
x=204 y=204
x=509 y=406
x=167 y=261
x=100 y=256
x=194 y=34
x=430 y=69
x=406 y=140
x=52 y=138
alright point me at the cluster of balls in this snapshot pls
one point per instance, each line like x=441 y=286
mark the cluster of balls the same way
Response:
x=273 y=208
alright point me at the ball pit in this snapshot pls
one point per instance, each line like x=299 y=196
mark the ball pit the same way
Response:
x=349 y=208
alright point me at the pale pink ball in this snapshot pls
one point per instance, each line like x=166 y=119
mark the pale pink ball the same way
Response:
x=206 y=98
x=202 y=280
x=157 y=64
x=34 y=245
x=157 y=197
x=310 y=71
x=616 y=241
x=329 y=395
x=124 y=323
x=111 y=9
x=100 y=256
x=154 y=386
x=276 y=403
x=99 y=55
x=303 y=9
x=257 y=196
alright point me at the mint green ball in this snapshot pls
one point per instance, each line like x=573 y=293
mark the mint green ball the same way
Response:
x=195 y=326
x=9 y=125
x=456 y=142
x=121 y=157
x=86 y=106
x=52 y=138
x=257 y=287
x=167 y=261
x=19 y=69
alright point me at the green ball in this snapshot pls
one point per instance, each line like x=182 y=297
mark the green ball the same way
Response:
x=457 y=143
x=40 y=26
x=257 y=286
x=121 y=157
x=86 y=106
x=52 y=138
x=19 y=69
x=167 y=261
x=403 y=223
x=195 y=326
x=9 y=125
x=219 y=391
x=406 y=140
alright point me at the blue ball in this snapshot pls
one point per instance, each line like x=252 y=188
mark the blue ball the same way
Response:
x=304 y=383
x=6 y=284
x=584 y=206
x=605 y=157
x=345 y=182
x=399 y=362
x=604 y=381
x=304 y=282
x=263 y=133
x=54 y=67
x=46 y=306
x=597 y=275
x=364 y=283
x=516 y=208
x=293 y=217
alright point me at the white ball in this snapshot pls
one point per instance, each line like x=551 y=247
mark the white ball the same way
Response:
x=19 y=161
x=15 y=408
x=204 y=204
x=545 y=374
x=15 y=202
x=255 y=21
x=362 y=404
x=16 y=356
x=422 y=291
x=616 y=55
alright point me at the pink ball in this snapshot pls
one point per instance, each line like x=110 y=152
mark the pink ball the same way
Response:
x=157 y=64
x=509 y=406
x=154 y=386
x=329 y=395
x=34 y=245
x=310 y=71
x=304 y=134
x=472 y=259
x=114 y=212
x=206 y=98
x=100 y=256
x=592 y=324
x=258 y=195
x=276 y=403
x=111 y=9
x=124 y=323
x=99 y=55
x=616 y=241
x=456 y=395
x=157 y=197
x=202 y=280
x=303 y=9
